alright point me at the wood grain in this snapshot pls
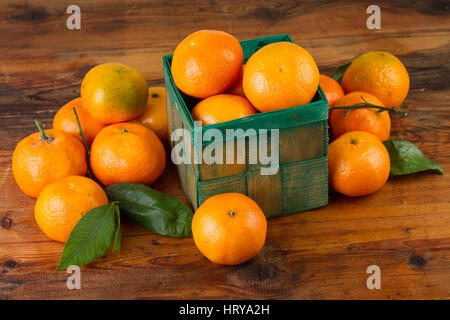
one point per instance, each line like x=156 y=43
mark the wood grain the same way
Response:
x=321 y=254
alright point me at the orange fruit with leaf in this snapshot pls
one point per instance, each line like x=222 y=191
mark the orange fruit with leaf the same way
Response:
x=280 y=75
x=65 y=120
x=379 y=73
x=114 y=92
x=222 y=108
x=62 y=204
x=127 y=152
x=45 y=157
x=358 y=164
x=206 y=63
x=375 y=121
x=229 y=228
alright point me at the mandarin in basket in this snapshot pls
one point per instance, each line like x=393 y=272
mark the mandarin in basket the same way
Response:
x=206 y=63
x=237 y=88
x=280 y=75
x=222 y=108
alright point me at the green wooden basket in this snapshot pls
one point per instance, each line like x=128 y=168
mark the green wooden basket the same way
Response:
x=302 y=179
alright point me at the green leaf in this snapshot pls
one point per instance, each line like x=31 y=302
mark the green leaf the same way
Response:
x=339 y=73
x=406 y=158
x=91 y=237
x=86 y=148
x=117 y=235
x=151 y=209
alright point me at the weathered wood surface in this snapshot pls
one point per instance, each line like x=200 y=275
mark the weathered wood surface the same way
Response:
x=404 y=228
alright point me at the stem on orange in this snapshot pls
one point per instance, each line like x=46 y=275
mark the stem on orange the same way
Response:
x=366 y=104
x=86 y=147
x=44 y=136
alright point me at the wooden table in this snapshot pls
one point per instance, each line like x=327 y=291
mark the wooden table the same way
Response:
x=321 y=254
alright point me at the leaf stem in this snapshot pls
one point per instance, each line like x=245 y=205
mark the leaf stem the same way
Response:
x=86 y=147
x=366 y=104
x=44 y=136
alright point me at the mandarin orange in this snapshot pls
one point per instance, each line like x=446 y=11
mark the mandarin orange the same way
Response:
x=127 y=152
x=237 y=88
x=114 y=92
x=154 y=115
x=229 y=228
x=45 y=157
x=222 y=108
x=62 y=204
x=206 y=63
x=371 y=120
x=379 y=73
x=332 y=89
x=65 y=120
x=358 y=164
x=280 y=75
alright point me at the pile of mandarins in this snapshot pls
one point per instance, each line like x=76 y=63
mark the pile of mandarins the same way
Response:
x=358 y=162
x=209 y=65
x=123 y=122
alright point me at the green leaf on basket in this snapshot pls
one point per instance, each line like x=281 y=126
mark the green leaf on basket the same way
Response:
x=91 y=237
x=339 y=73
x=406 y=158
x=151 y=209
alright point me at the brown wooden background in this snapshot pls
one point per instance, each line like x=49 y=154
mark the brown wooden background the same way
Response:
x=321 y=254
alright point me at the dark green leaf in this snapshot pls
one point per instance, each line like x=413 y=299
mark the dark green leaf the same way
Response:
x=117 y=235
x=151 y=209
x=339 y=73
x=91 y=237
x=407 y=158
